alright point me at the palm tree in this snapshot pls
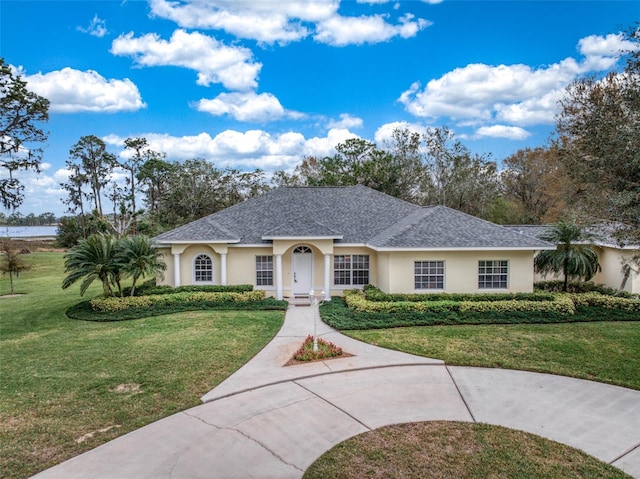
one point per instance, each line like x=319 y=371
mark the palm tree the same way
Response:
x=93 y=258
x=138 y=258
x=574 y=256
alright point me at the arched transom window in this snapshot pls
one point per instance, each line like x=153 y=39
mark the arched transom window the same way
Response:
x=302 y=250
x=203 y=269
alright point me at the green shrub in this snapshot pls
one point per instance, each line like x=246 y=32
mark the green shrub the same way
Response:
x=149 y=288
x=336 y=314
x=607 y=302
x=132 y=302
x=374 y=294
x=556 y=304
x=580 y=287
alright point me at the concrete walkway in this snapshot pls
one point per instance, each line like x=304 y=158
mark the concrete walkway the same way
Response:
x=270 y=421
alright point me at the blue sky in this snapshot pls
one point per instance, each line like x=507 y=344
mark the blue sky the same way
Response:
x=261 y=84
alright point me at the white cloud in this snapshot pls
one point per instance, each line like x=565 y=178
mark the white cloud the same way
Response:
x=97 y=27
x=341 y=31
x=214 y=62
x=346 y=121
x=613 y=45
x=71 y=91
x=244 y=150
x=249 y=107
x=503 y=131
x=384 y=133
x=286 y=21
x=519 y=94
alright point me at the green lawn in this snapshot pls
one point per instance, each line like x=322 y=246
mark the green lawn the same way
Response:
x=601 y=351
x=68 y=385
x=446 y=450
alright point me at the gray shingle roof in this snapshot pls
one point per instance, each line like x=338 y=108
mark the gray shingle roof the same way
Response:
x=356 y=214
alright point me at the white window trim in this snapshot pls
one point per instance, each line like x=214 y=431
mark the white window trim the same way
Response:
x=342 y=287
x=444 y=276
x=498 y=288
x=266 y=287
x=193 y=269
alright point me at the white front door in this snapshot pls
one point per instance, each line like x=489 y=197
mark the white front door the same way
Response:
x=301 y=270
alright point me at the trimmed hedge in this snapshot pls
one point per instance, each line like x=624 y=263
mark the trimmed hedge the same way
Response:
x=606 y=302
x=83 y=310
x=560 y=304
x=132 y=302
x=556 y=286
x=336 y=314
x=372 y=293
x=150 y=288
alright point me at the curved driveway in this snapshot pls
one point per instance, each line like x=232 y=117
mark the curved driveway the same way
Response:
x=271 y=421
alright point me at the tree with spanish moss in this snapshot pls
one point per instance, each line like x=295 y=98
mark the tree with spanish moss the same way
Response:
x=22 y=113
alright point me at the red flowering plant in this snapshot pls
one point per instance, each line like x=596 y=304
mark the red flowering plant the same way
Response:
x=326 y=349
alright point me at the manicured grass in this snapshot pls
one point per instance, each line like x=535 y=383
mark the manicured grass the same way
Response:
x=69 y=385
x=442 y=450
x=601 y=351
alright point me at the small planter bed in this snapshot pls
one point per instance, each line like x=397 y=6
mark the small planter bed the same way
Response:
x=326 y=350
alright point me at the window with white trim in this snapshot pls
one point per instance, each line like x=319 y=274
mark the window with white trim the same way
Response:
x=203 y=269
x=351 y=269
x=428 y=274
x=493 y=274
x=264 y=270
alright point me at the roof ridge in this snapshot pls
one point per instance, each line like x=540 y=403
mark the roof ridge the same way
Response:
x=405 y=223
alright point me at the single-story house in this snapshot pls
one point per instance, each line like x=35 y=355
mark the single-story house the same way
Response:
x=618 y=269
x=292 y=240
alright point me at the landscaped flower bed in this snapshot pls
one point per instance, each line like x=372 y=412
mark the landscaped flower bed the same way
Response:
x=326 y=350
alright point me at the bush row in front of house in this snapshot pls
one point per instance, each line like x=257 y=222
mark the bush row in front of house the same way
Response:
x=112 y=304
x=84 y=311
x=149 y=288
x=556 y=286
x=561 y=304
x=371 y=293
x=337 y=314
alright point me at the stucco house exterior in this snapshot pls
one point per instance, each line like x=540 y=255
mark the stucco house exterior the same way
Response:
x=292 y=240
x=618 y=269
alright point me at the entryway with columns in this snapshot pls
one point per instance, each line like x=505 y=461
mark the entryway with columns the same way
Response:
x=301 y=266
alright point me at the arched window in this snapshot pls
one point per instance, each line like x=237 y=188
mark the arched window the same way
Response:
x=302 y=250
x=203 y=269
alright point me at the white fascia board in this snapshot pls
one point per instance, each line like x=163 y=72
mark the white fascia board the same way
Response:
x=489 y=248
x=169 y=243
x=301 y=238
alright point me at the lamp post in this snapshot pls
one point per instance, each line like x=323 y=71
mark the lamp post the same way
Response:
x=315 y=302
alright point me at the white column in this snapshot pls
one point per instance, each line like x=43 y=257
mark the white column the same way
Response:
x=279 y=276
x=176 y=270
x=327 y=276
x=223 y=269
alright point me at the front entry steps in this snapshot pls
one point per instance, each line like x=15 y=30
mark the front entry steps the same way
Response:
x=299 y=300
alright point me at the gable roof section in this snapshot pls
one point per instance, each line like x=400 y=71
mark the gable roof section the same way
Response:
x=440 y=227
x=348 y=215
x=205 y=229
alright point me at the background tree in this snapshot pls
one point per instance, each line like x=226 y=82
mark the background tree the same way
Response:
x=536 y=184
x=458 y=179
x=574 y=256
x=599 y=143
x=21 y=114
x=94 y=166
x=153 y=175
x=11 y=262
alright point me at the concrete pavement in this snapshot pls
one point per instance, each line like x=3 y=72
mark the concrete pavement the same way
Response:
x=271 y=421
